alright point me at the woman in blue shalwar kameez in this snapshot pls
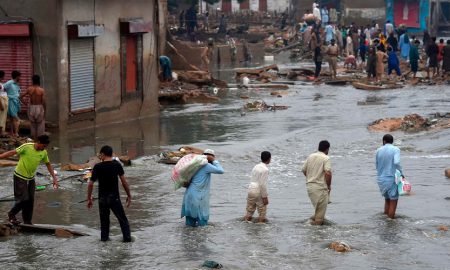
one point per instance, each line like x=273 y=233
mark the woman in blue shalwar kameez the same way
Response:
x=196 y=197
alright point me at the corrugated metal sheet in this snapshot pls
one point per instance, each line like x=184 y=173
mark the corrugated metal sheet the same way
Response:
x=16 y=54
x=82 y=86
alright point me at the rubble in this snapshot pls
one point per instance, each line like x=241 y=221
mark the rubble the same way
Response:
x=126 y=161
x=410 y=123
x=372 y=87
x=255 y=71
x=262 y=106
x=371 y=100
x=6 y=230
x=340 y=246
x=172 y=157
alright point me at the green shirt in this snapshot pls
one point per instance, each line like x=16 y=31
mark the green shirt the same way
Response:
x=30 y=158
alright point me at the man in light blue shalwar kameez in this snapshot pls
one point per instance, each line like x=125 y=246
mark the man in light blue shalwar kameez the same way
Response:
x=404 y=46
x=196 y=197
x=387 y=162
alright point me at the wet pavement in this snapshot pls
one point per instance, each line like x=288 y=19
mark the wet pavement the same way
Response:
x=288 y=241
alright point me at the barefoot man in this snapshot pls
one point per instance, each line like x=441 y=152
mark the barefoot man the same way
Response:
x=257 y=197
x=36 y=109
x=387 y=162
x=317 y=170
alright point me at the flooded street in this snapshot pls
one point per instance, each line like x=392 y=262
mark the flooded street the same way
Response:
x=288 y=241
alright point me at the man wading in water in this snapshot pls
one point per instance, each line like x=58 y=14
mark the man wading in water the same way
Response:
x=317 y=170
x=196 y=197
x=387 y=162
x=30 y=156
x=257 y=197
x=107 y=173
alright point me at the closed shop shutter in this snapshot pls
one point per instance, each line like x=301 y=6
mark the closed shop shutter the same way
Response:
x=245 y=5
x=226 y=6
x=263 y=5
x=82 y=86
x=16 y=54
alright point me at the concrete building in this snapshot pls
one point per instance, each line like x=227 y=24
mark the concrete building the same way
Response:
x=98 y=59
x=254 y=5
x=439 y=17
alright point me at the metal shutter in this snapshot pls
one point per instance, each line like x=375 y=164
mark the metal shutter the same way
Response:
x=16 y=54
x=82 y=86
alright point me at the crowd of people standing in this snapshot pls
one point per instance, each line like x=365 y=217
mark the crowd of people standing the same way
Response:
x=370 y=47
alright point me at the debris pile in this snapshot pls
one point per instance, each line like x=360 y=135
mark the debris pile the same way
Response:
x=340 y=246
x=263 y=74
x=262 y=106
x=411 y=123
x=172 y=157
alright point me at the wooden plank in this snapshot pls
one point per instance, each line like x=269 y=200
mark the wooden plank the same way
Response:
x=255 y=71
x=46 y=229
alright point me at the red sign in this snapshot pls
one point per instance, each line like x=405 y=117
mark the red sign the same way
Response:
x=15 y=30
x=407 y=13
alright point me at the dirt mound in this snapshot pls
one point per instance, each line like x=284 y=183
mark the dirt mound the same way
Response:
x=410 y=123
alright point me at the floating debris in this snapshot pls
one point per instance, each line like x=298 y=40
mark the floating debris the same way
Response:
x=340 y=246
x=262 y=106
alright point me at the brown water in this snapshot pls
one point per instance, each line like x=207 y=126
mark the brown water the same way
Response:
x=288 y=242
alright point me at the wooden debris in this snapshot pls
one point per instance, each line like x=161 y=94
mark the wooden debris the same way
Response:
x=172 y=157
x=262 y=106
x=340 y=246
x=186 y=96
x=269 y=86
x=91 y=163
x=7 y=230
x=255 y=71
x=371 y=87
x=195 y=77
x=63 y=233
x=7 y=163
x=46 y=229
x=447 y=173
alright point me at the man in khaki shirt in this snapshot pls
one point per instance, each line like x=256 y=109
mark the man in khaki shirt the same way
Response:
x=317 y=170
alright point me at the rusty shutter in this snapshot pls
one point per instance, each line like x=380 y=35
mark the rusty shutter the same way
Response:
x=245 y=5
x=226 y=6
x=82 y=86
x=131 y=64
x=263 y=5
x=16 y=53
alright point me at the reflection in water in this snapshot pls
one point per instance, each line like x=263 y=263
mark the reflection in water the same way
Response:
x=134 y=138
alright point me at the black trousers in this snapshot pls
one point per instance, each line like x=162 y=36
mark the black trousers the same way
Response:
x=112 y=203
x=318 y=68
x=24 y=197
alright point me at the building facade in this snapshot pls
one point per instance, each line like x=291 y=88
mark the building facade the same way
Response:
x=229 y=6
x=97 y=59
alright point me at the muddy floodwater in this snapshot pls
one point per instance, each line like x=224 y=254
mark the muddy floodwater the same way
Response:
x=288 y=241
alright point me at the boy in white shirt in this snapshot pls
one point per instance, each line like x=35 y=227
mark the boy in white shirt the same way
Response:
x=257 y=191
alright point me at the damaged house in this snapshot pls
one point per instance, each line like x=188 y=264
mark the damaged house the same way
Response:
x=98 y=60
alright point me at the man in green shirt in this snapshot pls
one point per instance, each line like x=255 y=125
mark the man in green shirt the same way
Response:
x=31 y=155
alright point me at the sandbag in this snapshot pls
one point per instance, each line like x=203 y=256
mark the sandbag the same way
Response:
x=185 y=169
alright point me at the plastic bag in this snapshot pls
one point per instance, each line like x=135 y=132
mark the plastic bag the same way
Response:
x=185 y=169
x=404 y=187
